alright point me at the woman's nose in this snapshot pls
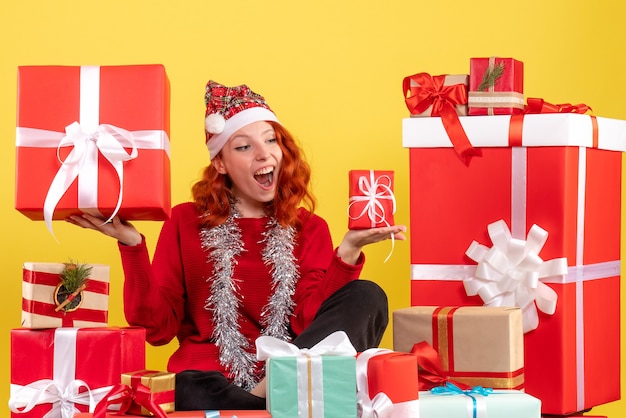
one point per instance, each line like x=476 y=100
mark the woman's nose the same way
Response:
x=262 y=153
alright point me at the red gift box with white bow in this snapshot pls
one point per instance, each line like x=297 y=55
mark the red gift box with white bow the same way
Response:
x=534 y=222
x=62 y=371
x=93 y=139
x=387 y=384
x=372 y=202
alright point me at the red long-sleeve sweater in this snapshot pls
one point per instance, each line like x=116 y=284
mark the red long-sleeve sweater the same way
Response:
x=168 y=296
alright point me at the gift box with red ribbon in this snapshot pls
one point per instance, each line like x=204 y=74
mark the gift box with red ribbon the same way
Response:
x=476 y=345
x=143 y=392
x=199 y=414
x=93 y=139
x=387 y=384
x=547 y=187
x=160 y=390
x=372 y=202
x=41 y=309
x=62 y=371
x=443 y=96
x=496 y=86
x=426 y=95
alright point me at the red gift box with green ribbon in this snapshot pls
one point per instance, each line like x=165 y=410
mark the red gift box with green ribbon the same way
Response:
x=93 y=139
x=547 y=187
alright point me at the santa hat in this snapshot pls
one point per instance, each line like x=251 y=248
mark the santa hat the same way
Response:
x=229 y=109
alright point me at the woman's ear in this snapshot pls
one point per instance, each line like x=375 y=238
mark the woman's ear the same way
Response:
x=219 y=165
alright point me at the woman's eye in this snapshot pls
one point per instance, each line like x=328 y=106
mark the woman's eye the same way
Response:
x=242 y=148
x=272 y=140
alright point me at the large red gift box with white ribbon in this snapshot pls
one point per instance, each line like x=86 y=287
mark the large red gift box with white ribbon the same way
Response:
x=66 y=370
x=557 y=178
x=93 y=139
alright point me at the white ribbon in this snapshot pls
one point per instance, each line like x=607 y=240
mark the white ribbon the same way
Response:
x=511 y=273
x=380 y=406
x=62 y=391
x=336 y=344
x=89 y=138
x=373 y=190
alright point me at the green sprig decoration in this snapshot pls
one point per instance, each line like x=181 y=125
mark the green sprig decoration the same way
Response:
x=491 y=77
x=74 y=275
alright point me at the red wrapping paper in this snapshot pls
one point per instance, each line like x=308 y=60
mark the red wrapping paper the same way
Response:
x=372 y=202
x=134 y=98
x=38 y=305
x=101 y=356
x=201 y=414
x=572 y=359
x=505 y=97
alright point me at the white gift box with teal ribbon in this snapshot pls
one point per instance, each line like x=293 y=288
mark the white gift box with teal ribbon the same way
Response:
x=450 y=401
x=319 y=382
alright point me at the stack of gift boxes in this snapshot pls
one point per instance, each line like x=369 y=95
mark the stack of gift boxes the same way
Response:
x=86 y=139
x=513 y=204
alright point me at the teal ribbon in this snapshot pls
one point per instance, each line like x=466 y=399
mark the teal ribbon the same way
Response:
x=214 y=414
x=452 y=389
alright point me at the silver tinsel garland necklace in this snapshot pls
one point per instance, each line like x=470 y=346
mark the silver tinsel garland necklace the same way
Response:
x=224 y=245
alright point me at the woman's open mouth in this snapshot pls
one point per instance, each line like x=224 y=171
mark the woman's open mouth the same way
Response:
x=265 y=176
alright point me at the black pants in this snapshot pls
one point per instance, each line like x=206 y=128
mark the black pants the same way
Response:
x=359 y=308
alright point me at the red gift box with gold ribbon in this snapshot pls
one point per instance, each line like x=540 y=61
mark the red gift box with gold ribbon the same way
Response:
x=67 y=370
x=40 y=308
x=555 y=181
x=93 y=139
x=477 y=346
x=387 y=383
x=496 y=86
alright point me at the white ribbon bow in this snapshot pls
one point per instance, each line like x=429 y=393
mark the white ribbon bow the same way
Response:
x=372 y=196
x=83 y=161
x=511 y=273
x=378 y=407
x=63 y=399
x=62 y=391
x=336 y=344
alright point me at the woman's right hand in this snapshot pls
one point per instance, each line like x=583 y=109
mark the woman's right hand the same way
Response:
x=121 y=230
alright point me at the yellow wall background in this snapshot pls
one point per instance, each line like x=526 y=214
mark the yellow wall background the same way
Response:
x=331 y=70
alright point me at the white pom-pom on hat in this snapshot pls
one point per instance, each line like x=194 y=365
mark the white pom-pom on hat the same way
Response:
x=215 y=123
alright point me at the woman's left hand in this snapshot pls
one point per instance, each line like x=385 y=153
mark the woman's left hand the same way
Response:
x=353 y=242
